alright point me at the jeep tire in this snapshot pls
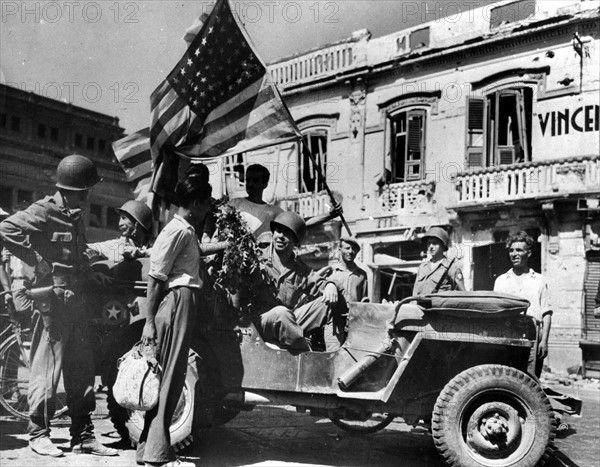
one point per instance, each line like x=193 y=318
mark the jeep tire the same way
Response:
x=131 y=422
x=493 y=415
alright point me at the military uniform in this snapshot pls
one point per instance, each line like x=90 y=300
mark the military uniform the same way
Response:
x=50 y=234
x=429 y=274
x=297 y=309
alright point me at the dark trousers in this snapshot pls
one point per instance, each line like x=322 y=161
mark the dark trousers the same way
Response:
x=61 y=342
x=174 y=322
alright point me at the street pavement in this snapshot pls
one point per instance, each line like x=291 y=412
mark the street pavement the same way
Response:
x=278 y=436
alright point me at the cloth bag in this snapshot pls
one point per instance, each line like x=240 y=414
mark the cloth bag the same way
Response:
x=137 y=386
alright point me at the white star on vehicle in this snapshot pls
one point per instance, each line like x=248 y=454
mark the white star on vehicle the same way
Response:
x=113 y=312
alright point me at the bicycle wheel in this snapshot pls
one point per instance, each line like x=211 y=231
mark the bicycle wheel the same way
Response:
x=14 y=380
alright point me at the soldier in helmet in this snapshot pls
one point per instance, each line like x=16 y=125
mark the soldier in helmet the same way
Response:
x=49 y=238
x=135 y=225
x=301 y=302
x=437 y=272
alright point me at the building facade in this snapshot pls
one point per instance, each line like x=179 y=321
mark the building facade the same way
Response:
x=36 y=133
x=484 y=123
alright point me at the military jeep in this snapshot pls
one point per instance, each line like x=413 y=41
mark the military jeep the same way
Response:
x=456 y=361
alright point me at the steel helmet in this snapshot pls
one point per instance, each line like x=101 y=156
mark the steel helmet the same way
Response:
x=140 y=212
x=292 y=221
x=439 y=233
x=76 y=173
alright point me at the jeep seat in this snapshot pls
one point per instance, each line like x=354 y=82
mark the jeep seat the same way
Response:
x=479 y=303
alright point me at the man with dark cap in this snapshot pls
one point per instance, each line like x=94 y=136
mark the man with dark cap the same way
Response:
x=349 y=278
x=437 y=273
x=49 y=238
x=300 y=301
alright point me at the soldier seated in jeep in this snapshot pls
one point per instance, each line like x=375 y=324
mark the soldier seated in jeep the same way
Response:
x=302 y=303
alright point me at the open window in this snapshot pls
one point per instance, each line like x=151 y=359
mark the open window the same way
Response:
x=407 y=145
x=499 y=128
x=315 y=143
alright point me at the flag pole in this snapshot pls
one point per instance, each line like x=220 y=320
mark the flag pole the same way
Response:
x=323 y=180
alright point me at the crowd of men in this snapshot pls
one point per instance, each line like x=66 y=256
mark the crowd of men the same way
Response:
x=47 y=254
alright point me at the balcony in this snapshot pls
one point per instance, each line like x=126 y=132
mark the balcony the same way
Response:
x=321 y=63
x=409 y=197
x=547 y=179
x=306 y=204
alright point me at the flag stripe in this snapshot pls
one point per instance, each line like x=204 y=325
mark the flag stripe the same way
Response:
x=249 y=132
x=135 y=160
x=234 y=102
x=266 y=113
x=243 y=110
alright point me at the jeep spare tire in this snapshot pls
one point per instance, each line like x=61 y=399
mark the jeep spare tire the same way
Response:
x=132 y=421
x=493 y=415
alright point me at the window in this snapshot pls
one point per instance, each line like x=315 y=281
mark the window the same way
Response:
x=78 y=140
x=24 y=197
x=419 y=38
x=54 y=134
x=112 y=219
x=235 y=171
x=512 y=12
x=41 y=131
x=315 y=143
x=95 y=215
x=90 y=143
x=101 y=145
x=6 y=198
x=2 y=120
x=407 y=145
x=499 y=128
x=15 y=124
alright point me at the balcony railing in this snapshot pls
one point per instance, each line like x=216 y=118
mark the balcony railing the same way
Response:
x=317 y=64
x=306 y=204
x=537 y=179
x=412 y=197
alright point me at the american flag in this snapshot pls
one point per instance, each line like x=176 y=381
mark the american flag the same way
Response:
x=219 y=99
x=133 y=153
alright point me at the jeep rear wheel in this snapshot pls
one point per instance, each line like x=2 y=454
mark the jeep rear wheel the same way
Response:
x=492 y=416
x=132 y=421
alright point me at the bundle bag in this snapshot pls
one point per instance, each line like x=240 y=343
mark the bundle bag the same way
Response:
x=138 y=380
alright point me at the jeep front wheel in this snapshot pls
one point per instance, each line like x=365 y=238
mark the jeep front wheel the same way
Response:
x=492 y=416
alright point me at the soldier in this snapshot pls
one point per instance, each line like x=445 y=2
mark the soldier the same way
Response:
x=437 y=272
x=135 y=225
x=349 y=278
x=302 y=302
x=49 y=238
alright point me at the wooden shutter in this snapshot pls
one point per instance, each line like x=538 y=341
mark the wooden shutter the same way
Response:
x=415 y=145
x=475 y=113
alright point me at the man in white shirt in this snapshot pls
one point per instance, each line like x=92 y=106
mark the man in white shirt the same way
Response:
x=524 y=282
x=174 y=285
x=257 y=213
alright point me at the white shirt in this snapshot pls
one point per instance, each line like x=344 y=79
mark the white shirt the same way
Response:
x=175 y=256
x=530 y=286
x=257 y=216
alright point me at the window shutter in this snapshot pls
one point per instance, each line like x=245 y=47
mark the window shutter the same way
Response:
x=476 y=113
x=415 y=124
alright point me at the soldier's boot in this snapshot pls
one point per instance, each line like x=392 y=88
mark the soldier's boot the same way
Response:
x=45 y=447
x=94 y=447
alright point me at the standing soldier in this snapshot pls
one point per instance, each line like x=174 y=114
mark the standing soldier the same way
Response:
x=49 y=237
x=437 y=272
x=350 y=279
